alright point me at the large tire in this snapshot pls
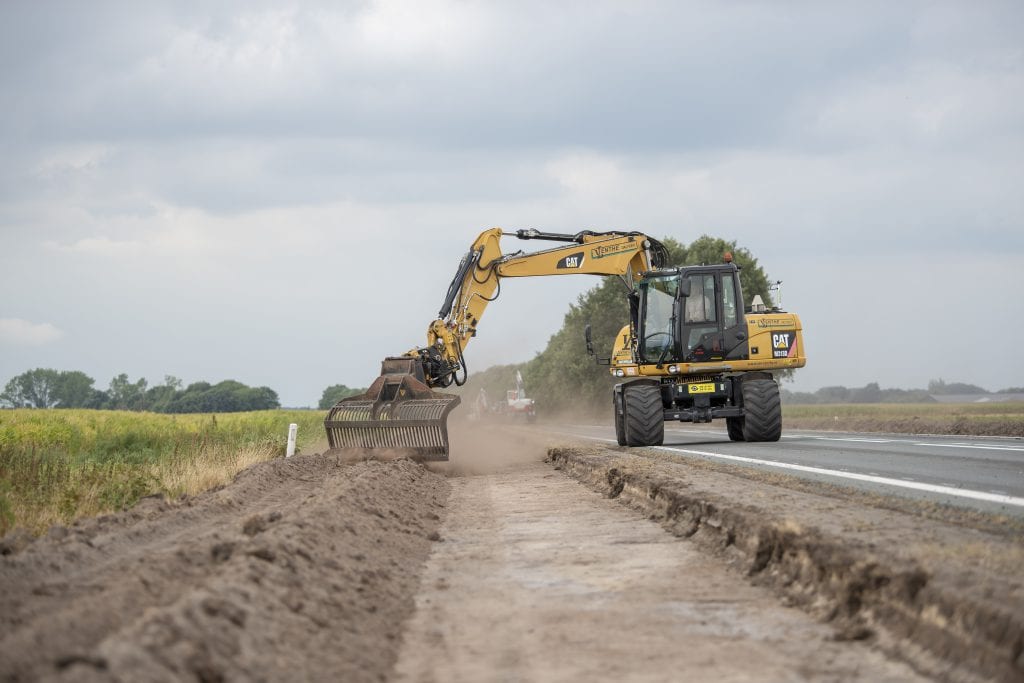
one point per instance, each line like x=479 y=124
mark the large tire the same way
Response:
x=620 y=420
x=762 y=408
x=735 y=427
x=645 y=416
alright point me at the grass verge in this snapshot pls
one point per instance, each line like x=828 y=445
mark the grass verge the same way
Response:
x=58 y=465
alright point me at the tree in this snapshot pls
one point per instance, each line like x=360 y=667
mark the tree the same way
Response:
x=74 y=389
x=228 y=396
x=938 y=386
x=160 y=397
x=335 y=393
x=46 y=388
x=833 y=395
x=33 y=389
x=871 y=393
x=126 y=395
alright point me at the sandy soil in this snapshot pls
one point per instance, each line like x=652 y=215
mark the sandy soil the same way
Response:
x=501 y=566
x=538 y=579
x=941 y=591
x=302 y=569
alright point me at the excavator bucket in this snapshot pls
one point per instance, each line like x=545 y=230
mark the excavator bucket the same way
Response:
x=399 y=413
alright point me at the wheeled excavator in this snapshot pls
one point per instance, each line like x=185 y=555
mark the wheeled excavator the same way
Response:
x=690 y=351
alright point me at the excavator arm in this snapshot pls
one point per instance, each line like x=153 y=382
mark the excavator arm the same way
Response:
x=400 y=410
x=478 y=279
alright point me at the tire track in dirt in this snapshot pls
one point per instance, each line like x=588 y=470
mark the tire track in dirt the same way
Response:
x=539 y=578
x=300 y=569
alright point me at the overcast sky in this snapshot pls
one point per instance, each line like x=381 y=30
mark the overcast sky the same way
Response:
x=279 y=193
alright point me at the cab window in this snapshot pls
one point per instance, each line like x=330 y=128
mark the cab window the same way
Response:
x=729 y=307
x=657 y=322
x=700 y=305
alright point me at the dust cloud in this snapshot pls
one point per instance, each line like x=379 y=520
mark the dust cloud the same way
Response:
x=487 y=446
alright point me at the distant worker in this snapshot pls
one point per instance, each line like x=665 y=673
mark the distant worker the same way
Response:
x=481 y=405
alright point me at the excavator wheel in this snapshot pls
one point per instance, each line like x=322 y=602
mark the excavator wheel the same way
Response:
x=645 y=416
x=735 y=427
x=762 y=407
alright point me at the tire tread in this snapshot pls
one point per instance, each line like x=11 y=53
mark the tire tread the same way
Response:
x=645 y=416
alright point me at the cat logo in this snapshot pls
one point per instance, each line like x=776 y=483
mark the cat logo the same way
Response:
x=781 y=344
x=571 y=261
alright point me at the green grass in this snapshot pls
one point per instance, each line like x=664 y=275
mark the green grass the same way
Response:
x=57 y=465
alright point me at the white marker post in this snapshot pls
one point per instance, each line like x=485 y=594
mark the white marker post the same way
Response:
x=292 y=430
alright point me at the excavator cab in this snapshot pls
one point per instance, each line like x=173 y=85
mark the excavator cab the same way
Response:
x=691 y=315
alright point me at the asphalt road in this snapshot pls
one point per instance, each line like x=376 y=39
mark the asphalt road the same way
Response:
x=981 y=473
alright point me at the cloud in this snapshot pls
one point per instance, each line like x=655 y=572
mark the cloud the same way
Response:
x=185 y=176
x=71 y=159
x=18 y=332
x=98 y=246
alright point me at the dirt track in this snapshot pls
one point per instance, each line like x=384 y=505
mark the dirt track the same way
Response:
x=501 y=567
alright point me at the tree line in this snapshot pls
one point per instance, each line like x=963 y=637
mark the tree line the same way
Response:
x=335 y=393
x=872 y=393
x=48 y=388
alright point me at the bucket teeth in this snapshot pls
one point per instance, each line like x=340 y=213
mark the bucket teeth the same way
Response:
x=397 y=413
x=417 y=425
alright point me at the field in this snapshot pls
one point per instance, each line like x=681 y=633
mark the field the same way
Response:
x=974 y=419
x=57 y=465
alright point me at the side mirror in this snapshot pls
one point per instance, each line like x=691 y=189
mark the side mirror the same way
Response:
x=684 y=286
x=586 y=336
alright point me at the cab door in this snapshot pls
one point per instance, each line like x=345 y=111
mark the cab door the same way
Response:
x=734 y=326
x=713 y=327
x=701 y=329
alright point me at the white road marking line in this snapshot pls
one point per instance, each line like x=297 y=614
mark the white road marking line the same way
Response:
x=917 y=486
x=836 y=438
x=971 y=445
x=911 y=442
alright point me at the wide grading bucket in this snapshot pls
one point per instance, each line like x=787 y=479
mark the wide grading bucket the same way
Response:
x=398 y=413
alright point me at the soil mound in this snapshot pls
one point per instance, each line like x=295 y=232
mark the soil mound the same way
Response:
x=300 y=569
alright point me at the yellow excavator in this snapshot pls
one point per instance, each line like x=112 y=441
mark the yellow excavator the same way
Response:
x=691 y=351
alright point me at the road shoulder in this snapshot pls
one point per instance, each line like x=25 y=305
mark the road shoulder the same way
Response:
x=946 y=597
